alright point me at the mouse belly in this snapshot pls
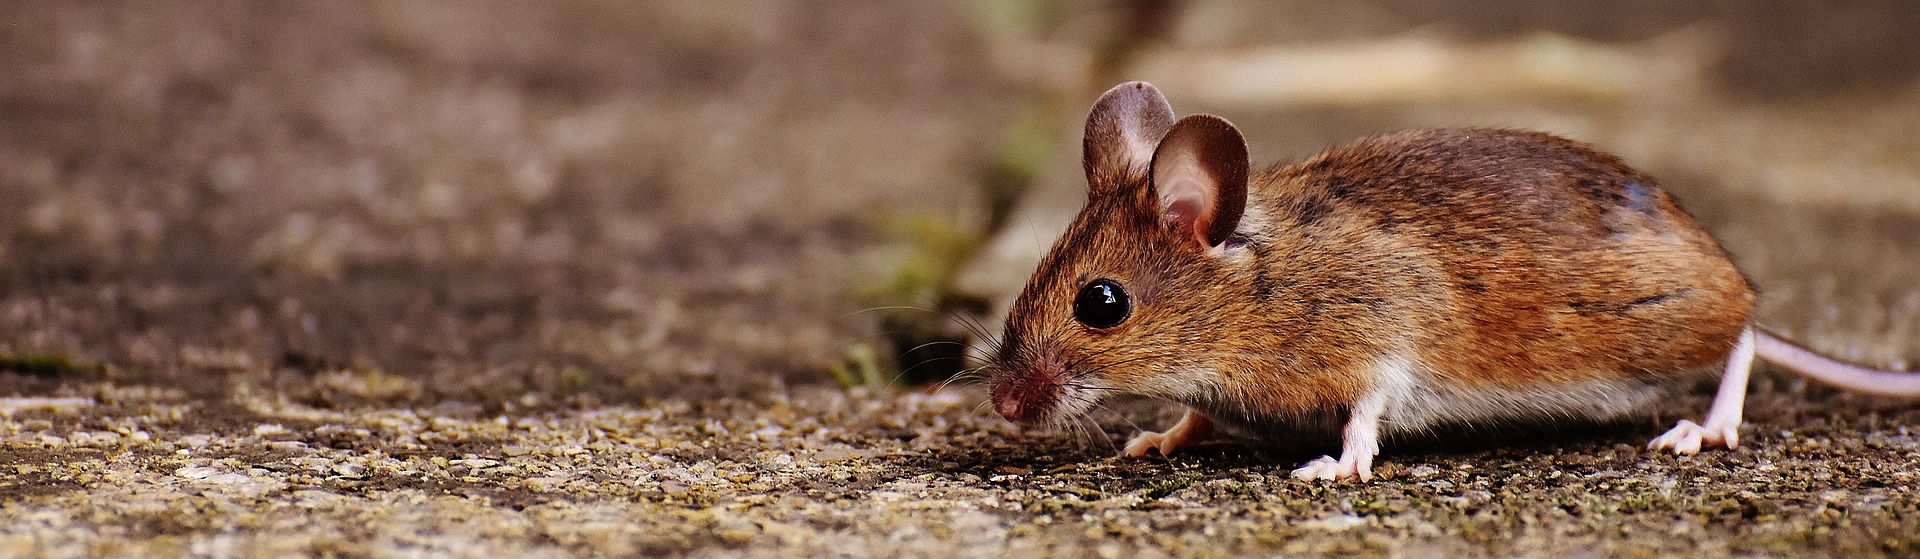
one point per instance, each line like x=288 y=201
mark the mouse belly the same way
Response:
x=1412 y=400
x=1438 y=402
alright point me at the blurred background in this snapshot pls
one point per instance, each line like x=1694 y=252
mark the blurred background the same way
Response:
x=578 y=201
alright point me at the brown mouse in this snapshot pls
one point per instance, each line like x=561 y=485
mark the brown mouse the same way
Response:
x=1398 y=283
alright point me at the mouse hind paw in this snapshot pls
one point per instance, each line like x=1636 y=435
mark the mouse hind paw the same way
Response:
x=1328 y=468
x=1688 y=438
x=1722 y=426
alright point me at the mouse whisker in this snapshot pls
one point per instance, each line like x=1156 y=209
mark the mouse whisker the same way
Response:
x=972 y=325
x=1083 y=358
x=890 y=308
x=964 y=377
x=1114 y=364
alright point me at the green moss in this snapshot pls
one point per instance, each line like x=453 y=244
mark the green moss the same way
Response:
x=923 y=343
x=49 y=366
x=1166 y=487
x=861 y=368
x=937 y=248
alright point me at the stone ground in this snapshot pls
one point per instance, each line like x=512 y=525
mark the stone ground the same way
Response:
x=562 y=279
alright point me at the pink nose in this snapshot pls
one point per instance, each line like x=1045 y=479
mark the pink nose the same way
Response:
x=1009 y=408
x=1025 y=398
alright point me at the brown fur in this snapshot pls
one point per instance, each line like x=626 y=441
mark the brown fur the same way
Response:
x=1556 y=261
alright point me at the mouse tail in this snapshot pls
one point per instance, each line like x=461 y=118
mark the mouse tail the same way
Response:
x=1831 y=372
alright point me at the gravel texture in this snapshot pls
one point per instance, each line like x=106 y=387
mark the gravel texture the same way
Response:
x=818 y=472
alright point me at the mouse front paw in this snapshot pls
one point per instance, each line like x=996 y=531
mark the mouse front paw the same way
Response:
x=1192 y=429
x=1687 y=438
x=1146 y=441
x=1328 y=468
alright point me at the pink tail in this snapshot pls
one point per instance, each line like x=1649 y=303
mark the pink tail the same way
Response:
x=1851 y=378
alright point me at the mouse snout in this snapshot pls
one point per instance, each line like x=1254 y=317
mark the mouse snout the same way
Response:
x=1025 y=396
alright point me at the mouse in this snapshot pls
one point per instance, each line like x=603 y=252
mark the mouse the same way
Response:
x=1384 y=288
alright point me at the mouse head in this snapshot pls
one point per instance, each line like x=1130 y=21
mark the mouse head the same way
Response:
x=1130 y=297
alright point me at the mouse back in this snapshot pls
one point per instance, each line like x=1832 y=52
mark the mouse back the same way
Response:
x=1555 y=261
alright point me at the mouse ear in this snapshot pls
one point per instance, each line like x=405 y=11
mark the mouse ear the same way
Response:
x=1125 y=125
x=1200 y=178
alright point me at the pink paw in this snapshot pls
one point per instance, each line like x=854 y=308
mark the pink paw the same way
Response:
x=1327 y=468
x=1148 y=440
x=1192 y=429
x=1688 y=437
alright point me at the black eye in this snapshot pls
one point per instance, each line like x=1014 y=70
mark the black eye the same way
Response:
x=1102 y=304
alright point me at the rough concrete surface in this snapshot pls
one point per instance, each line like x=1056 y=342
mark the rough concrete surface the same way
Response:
x=567 y=279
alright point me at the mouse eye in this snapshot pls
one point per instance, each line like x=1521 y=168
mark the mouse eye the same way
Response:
x=1102 y=304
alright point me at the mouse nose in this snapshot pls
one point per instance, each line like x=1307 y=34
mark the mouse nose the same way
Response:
x=1024 y=398
x=1007 y=408
x=1010 y=408
x=1006 y=402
